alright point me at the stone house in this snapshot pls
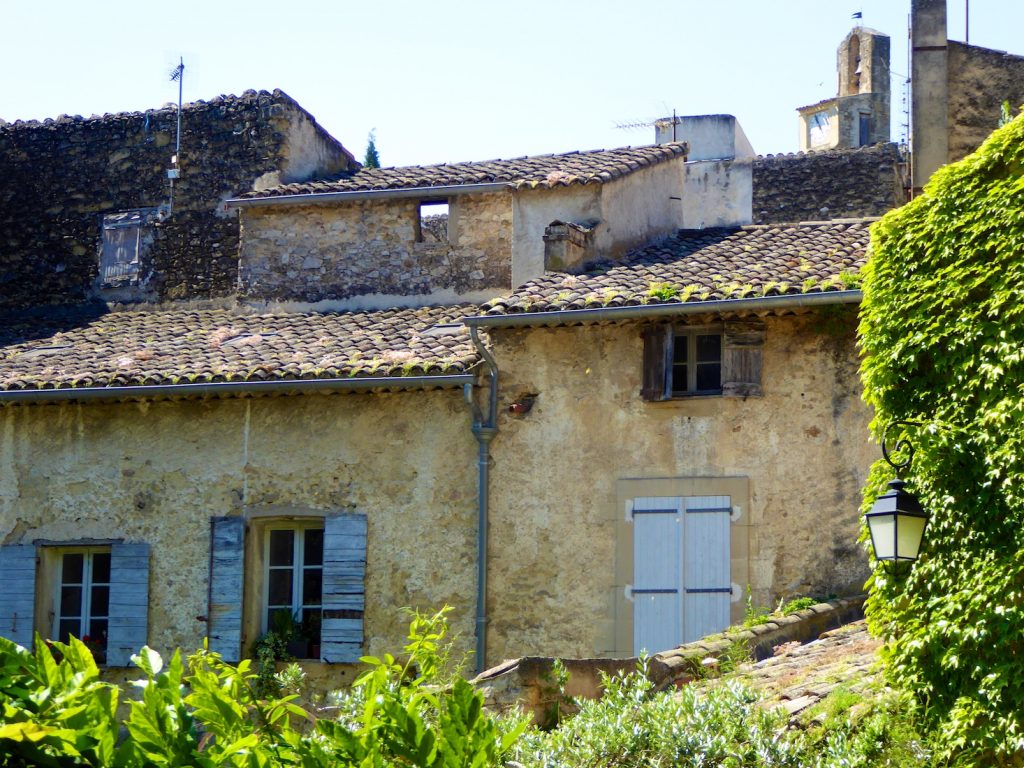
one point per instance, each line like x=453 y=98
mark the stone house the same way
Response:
x=582 y=426
x=85 y=205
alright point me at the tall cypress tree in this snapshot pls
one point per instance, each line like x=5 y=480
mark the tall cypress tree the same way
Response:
x=372 y=159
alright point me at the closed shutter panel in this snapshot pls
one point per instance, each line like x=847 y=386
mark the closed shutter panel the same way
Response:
x=129 y=602
x=657 y=624
x=657 y=363
x=742 y=347
x=227 y=575
x=706 y=570
x=341 y=632
x=18 y=595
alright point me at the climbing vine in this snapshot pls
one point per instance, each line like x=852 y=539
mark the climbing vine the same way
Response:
x=942 y=337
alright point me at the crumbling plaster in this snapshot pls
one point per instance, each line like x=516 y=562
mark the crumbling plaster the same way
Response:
x=803 y=447
x=406 y=460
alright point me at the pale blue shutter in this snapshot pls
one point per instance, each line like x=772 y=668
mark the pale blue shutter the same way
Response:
x=18 y=595
x=706 y=571
x=227 y=577
x=344 y=593
x=129 y=602
x=657 y=623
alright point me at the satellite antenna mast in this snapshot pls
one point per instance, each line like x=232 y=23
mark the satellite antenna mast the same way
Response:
x=177 y=74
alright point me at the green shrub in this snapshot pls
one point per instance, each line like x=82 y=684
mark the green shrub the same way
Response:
x=942 y=333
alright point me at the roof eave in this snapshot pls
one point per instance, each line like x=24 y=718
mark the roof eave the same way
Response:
x=233 y=388
x=328 y=198
x=650 y=311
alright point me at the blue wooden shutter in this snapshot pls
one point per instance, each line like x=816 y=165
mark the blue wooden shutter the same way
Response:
x=706 y=571
x=129 y=602
x=227 y=578
x=657 y=623
x=344 y=593
x=18 y=596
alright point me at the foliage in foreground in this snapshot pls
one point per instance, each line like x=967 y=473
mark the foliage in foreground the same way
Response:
x=208 y=713
x=942 y=332
x=722 y=725
x=203 y=712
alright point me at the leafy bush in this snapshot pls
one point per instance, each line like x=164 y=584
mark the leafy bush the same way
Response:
x=208 y=713
x=942 y=332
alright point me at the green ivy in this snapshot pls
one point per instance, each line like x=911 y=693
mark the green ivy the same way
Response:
x=942 y=334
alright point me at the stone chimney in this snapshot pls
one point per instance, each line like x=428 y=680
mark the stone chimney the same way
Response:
x=930 y=90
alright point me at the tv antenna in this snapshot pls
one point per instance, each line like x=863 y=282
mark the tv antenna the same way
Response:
x=662 y=122
x=174 y=172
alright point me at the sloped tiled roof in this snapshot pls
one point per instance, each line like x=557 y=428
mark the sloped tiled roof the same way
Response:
x=709 y=264
x=537 y=171
x=79 y=348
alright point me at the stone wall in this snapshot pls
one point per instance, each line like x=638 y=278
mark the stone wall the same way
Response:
x=406 y=460
x=60 y=177
x=835 y=184
x=980 y=80
x=369 y=248
x=557 y=523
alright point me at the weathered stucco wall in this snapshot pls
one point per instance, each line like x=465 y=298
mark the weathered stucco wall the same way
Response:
x=61 y=176
x=629 y=212
x=375 y=248
x=157 y=472
x=717 y=193
x=980 y=80
x=555 y=516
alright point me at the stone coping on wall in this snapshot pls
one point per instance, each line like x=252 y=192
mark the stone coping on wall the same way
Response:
x=531 y=684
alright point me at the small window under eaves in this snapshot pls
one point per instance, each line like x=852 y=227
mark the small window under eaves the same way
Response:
x=432 y=221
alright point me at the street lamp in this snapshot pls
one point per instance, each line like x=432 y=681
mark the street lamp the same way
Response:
x=896 y=521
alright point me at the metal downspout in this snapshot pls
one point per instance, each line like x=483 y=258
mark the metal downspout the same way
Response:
x=485 y=427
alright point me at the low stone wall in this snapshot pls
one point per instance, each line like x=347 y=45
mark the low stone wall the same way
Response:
x=531 y=682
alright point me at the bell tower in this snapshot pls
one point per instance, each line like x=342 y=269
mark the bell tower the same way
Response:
x=859 y=115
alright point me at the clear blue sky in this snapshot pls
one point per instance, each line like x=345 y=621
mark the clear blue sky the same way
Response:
x=452 y=80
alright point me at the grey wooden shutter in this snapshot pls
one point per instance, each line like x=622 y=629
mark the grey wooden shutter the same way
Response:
x=128 y=625
x=227 y=578
x=657 y=384
x=18 y=596
x=742 y=345
x=344 y=591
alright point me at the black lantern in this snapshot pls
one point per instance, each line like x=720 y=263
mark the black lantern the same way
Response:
x=896 y=521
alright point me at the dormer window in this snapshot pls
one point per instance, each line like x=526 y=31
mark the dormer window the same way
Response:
x=126 y=237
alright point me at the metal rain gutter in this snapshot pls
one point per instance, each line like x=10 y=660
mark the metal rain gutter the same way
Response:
x=278 y=386
x=612 y=314
x=484 y=429
x=326 y=198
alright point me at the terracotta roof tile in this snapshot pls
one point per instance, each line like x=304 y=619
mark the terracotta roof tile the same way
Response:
x=82 y=348
x=538 y=171
x=709 y=264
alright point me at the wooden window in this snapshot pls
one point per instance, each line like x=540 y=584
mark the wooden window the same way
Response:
x=293 y=584
x=307 y=573
x=682 y=361
x=97 y=592
x=81 y=605
x=125 y=236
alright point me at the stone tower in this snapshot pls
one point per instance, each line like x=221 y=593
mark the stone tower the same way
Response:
x=859 y=115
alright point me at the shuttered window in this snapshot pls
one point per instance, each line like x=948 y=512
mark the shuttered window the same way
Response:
x=308 y=581
x=681 y=361
x=101 y=596
x=125 y=235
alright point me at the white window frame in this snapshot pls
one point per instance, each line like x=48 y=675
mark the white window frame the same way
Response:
x=298 y=567
x=86 y=615
x=690 y=334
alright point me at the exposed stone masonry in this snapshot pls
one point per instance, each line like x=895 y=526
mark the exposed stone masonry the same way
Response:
x=60 y=177
x=837 y=184
x=336 y=252
x=980 y=80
